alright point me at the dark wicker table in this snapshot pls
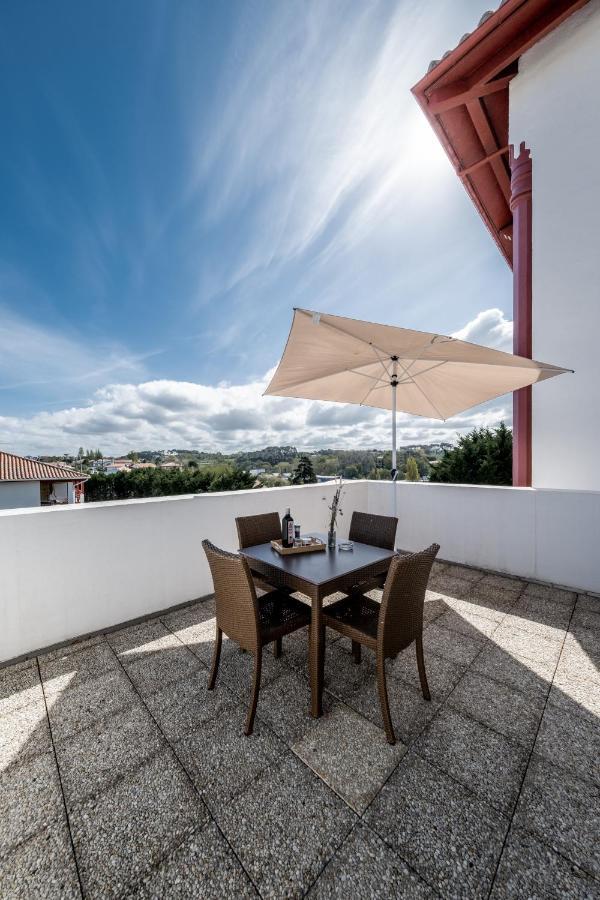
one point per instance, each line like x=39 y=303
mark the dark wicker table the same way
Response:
x=318 y=575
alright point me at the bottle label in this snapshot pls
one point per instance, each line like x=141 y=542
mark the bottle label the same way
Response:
x=290 y=528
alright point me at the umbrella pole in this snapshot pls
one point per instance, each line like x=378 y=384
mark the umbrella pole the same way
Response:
x=394 y=384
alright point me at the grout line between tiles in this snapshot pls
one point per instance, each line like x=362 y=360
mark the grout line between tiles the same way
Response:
x=58 y=772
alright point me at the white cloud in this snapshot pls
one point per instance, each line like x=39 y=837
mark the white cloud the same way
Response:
x=490 y=327
x=163 y=414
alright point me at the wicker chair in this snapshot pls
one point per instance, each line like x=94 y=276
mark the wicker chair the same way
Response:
x=391 y=626
x=250 y=621
x=260 y=529
x=379 y=531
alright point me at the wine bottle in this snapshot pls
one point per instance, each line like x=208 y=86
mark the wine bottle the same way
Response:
x=287 y=530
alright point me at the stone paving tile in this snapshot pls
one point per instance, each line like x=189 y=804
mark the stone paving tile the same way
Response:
x=76 y=708
x=529 y=870
x=24 y=733
x=570 y=738
x=20 y=688
x=486 y=762
x=578 y=664
x=409 y=710
x=190 y=616
x=203 y=866
x=236 y=671
x=465 y=622
x=14 y=668
x=458 y=648
x=364 y=867
x=454 y=570
x=586 y=638
x=141 y=641
x=447 y=586
x=526 y=645
x=442 y=674
x=184 y=705
x=531 y=677
x=588 y=603
x=342 y=676
x=547 y=592
x=542 y=611
x=72 y=647
x=94 y=758
x=350 y=754
x=577 y=692
x=285 y=706
x=585 y=619
x=473 y=607
x=42 y=867
x=121 y=834
x=447 y=834
x=499 y=706
x=563 y=811
x=222 y=761
x=521 y=622
x=285 y=827
x=71 y=670
x=152 y=673
x=503 y=583
x=30 y=799
x=194 y=626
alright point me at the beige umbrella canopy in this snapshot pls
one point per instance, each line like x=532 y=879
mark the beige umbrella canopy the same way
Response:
x=349 y=361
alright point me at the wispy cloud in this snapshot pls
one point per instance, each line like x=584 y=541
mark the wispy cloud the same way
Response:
x=315 y=135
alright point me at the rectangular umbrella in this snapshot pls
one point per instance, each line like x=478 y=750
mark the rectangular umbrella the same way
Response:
x=422 y=373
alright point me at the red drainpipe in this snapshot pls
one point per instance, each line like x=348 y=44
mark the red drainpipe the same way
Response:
x=520 y=204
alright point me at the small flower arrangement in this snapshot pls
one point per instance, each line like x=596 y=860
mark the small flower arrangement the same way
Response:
x=335 y=508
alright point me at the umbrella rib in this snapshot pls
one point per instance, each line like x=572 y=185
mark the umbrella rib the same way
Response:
x=418 y=386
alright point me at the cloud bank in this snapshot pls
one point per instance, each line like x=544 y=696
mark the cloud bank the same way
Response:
x=181 y=414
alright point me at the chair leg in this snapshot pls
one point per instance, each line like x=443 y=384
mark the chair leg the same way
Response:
x=277 y=648
x=215 y=660
x=255 y=690
x=421 y=666
x=356 y=652
x=383 y=700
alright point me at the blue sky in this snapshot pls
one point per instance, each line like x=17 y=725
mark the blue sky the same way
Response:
x=175 y=177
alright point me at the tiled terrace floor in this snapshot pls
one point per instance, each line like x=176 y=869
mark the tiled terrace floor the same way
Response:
x=122 y=776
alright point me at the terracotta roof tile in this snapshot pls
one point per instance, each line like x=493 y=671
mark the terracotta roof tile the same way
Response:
x=20 y=468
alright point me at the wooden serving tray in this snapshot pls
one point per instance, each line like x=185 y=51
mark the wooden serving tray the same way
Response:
x=308 y=548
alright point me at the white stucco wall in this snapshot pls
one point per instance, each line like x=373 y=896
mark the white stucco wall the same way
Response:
x=554 y=108
x=70 y=570
x=19 y=494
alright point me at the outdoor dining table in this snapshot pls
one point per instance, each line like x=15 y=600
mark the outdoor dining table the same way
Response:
x=317 y=575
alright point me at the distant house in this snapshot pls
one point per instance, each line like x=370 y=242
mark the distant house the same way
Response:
x=28 y=482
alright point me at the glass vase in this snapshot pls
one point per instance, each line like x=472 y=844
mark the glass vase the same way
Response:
x=331 y=540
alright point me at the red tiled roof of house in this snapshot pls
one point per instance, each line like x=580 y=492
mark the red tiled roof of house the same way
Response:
x=20 y=468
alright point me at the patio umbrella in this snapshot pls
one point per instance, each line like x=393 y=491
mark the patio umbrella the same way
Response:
x=349 y=361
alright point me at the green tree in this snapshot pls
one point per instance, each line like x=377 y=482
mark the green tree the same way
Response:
x=411 y=470
x=304 y=472
x=484 y=456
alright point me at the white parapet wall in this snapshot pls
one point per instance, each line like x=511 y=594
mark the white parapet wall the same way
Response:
x=544 y=535
x=72 y=570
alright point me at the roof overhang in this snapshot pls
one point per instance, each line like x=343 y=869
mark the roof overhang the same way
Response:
x=465 y=97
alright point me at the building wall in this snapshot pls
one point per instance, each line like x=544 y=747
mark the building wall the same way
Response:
x=71 y=570
x=19 y=494
x=554 y=108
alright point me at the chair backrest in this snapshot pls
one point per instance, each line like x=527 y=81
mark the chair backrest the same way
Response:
x=261 y=529
x=379 y=531
x=235 y=596
x=401 y=616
